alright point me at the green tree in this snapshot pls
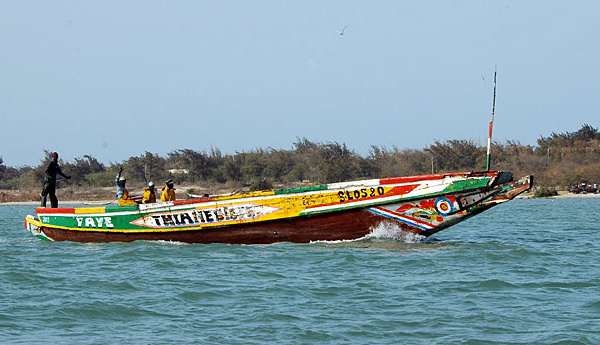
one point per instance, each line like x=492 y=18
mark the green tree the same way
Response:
x=145 y=168
x=335 y=162
x=231 y=168
x=253 y=165
x=201 y=165
x=456 y=155
x=82 y=168
x=279 y=163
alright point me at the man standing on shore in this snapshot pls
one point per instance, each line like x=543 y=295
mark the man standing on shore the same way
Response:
x=50 y=181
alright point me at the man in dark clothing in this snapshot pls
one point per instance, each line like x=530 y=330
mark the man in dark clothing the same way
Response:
x=50 y=181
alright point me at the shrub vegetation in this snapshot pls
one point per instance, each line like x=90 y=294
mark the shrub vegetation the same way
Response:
x=556 y=161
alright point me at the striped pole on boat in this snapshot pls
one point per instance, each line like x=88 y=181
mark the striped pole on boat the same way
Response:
x=489 y=143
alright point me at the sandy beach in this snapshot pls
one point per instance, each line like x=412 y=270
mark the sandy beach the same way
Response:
x=566 y=194
x=63 y=203
x=561 y=195
x=96 y=196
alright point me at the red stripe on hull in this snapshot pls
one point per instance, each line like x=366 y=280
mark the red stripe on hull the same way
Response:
x=400 y=190
x=191 y=201
x=406 y=179
x=42 y=210
x=347 y=225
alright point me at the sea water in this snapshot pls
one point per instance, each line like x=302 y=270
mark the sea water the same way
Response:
x=525 y=272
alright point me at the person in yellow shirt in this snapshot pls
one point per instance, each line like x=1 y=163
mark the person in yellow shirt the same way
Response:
x=122 y=193
x=149 y=196
x=168 y=192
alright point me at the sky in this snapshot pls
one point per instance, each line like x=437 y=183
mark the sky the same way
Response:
x=116 y=79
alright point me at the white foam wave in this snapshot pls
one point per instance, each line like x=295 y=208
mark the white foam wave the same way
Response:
x=384 y=230
x=389 y=230
x=171 y=243
x=336 y=241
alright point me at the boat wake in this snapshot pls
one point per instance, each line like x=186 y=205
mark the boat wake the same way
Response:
x=389 y=230
x=384 y=231
x=170 y=243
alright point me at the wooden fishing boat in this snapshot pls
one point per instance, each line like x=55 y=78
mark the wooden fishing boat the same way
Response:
x=338 y=211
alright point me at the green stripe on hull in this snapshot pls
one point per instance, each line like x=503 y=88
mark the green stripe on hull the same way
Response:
x=300 y=190
x=44 y=238
x=463 y=185
x=121 y=208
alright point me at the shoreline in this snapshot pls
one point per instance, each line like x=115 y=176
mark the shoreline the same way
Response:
x=66 y=202
x=561 y=195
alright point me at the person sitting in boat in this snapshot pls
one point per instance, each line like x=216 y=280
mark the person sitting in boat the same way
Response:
x=122 y=193
x=149 y=196
x=50 y=181
x=168 y=192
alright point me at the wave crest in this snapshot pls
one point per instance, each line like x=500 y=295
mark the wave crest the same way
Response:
x=389 y=230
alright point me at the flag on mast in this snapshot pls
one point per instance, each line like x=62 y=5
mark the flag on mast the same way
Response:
x=489 y=143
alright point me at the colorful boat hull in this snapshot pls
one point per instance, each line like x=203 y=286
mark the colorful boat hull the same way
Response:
x=339 y=211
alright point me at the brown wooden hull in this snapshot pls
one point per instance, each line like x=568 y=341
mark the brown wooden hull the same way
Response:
x=346 y=225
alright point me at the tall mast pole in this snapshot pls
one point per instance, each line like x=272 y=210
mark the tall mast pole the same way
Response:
x=489 y=143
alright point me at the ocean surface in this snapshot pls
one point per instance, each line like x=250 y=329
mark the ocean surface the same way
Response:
x=525 y=272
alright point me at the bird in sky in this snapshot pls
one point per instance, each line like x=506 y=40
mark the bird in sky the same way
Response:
x=341 y=32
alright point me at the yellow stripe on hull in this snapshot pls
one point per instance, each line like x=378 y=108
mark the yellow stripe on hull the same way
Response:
x=79 y=210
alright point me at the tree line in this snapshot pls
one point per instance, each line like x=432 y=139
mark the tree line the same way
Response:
x=556 y=161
